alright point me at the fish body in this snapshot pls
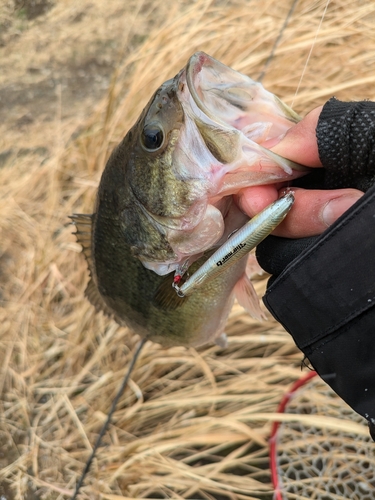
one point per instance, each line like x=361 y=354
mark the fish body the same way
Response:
x=124 y=289
x=165 y=197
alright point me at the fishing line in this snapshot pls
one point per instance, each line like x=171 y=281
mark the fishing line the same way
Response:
x=277 y=41
x=109 y=417
x=310 y=52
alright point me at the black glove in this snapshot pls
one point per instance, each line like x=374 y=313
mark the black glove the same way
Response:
x=323 y=288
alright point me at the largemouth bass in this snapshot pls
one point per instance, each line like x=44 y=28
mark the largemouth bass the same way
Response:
x=165 y=200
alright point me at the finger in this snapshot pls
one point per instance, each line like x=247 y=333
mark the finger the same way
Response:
x=314 y=211
x=252 y=200
x=299 y=143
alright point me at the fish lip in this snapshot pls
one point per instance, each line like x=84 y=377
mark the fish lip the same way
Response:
x=193 y=67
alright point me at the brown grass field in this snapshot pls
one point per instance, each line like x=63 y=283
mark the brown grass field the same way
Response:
x=193 y=424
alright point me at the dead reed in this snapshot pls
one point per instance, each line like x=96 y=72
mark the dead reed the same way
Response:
x=192 y=424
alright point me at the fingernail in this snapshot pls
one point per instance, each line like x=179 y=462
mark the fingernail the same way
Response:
x=336 y=207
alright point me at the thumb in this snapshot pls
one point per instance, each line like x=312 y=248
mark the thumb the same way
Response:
x=299 y=143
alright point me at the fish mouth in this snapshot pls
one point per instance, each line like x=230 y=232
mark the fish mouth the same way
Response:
x=223 y=97
x=232 y=99
x=203 y=75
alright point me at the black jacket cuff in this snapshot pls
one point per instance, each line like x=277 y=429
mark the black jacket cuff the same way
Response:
x=346 y=143
x=325 y=299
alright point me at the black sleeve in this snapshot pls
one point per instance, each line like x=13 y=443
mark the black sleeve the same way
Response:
x=346 y=142
x=325 y=297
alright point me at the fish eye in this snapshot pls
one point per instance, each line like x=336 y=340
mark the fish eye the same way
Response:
x=152 y=137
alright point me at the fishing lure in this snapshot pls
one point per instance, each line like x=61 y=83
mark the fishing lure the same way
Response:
x=239 y=244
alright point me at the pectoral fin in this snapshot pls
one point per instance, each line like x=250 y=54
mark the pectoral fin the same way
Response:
x=248 y=298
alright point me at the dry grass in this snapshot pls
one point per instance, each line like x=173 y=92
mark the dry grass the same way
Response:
x=191 y=424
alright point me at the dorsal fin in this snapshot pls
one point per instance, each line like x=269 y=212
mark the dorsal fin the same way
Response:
x=83 y=223
x=93 y=294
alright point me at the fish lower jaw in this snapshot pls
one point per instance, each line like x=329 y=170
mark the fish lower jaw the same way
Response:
x=163 y=268
x=160 y=268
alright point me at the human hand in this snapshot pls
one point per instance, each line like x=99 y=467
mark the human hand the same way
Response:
x=315 y=292
x=313 y=210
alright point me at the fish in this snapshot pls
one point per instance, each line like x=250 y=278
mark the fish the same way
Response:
x=166 y=201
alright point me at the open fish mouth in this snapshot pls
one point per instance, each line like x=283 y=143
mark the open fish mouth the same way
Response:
x=232 y=99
